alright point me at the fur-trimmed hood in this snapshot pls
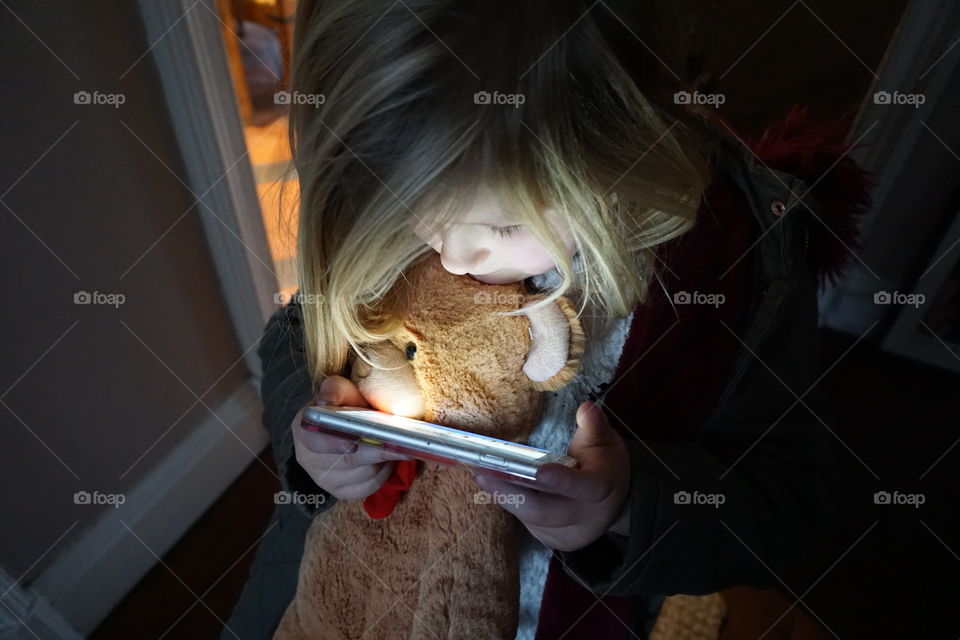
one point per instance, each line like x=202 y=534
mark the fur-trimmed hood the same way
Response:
x=817 y=151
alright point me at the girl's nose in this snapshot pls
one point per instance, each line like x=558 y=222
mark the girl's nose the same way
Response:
x=460 y=258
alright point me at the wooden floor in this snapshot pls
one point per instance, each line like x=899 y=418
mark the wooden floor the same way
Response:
x=210 y=563
x=901 y=580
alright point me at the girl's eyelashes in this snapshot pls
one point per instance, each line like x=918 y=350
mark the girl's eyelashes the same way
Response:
x=506 y=231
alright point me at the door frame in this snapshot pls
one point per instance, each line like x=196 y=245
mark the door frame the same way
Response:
x=194 y=72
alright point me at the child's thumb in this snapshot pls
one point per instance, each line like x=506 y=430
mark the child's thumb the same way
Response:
x=339 y=391
x=593 y=429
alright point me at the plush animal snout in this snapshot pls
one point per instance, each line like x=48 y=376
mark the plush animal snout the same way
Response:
x=393 y=388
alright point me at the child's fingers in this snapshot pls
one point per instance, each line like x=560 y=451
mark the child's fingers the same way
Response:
x=364 y=455
x=600 y=451
x=320 y=442
x=532 y=507
x=366 y=487
x=333 y=452
x=578 y=484
x=340 y=392
x=341 y=478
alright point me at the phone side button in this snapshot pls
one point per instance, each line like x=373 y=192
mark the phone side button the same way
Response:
x=492 y=459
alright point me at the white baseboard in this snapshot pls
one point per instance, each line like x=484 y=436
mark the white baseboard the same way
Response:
x=88 y=578
x=24 y=615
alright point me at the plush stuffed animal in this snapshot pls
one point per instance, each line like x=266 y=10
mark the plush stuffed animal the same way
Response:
x=426 y=556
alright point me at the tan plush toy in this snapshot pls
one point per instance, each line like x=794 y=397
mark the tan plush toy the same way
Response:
x=443 y=563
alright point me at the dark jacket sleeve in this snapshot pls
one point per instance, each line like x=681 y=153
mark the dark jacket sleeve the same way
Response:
x=770 y=459
x=286 y=388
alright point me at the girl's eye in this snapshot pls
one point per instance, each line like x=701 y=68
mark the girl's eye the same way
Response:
x=507 y=231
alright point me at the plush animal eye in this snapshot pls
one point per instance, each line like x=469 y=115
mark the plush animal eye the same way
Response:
x=411 y=351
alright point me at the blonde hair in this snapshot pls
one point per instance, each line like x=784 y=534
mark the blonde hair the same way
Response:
x=404 y=132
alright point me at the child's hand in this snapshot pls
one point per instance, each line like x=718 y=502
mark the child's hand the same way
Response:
x=329 y=460
x=575 y=506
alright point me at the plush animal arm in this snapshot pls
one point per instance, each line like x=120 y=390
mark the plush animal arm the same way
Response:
x=556 y=344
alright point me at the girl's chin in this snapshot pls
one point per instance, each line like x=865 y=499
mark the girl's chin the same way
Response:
x=498 y=278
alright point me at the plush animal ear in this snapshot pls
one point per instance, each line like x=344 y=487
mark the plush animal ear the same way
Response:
x=556 y=344
x=391 y=386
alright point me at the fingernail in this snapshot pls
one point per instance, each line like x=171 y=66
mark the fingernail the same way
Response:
x=323 y=401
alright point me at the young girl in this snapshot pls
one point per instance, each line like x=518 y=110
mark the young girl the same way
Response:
x=552 y=143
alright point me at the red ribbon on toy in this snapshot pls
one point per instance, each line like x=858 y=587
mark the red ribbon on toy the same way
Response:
x=381 y=502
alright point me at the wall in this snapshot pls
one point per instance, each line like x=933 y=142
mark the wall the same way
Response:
x=94 y=395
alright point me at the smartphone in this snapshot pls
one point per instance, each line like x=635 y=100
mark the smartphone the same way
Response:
x=427 y=441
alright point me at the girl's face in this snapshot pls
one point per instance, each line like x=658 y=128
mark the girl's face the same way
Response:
x=489 y=247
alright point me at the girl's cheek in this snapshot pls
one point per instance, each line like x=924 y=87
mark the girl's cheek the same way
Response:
x=529 y=255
